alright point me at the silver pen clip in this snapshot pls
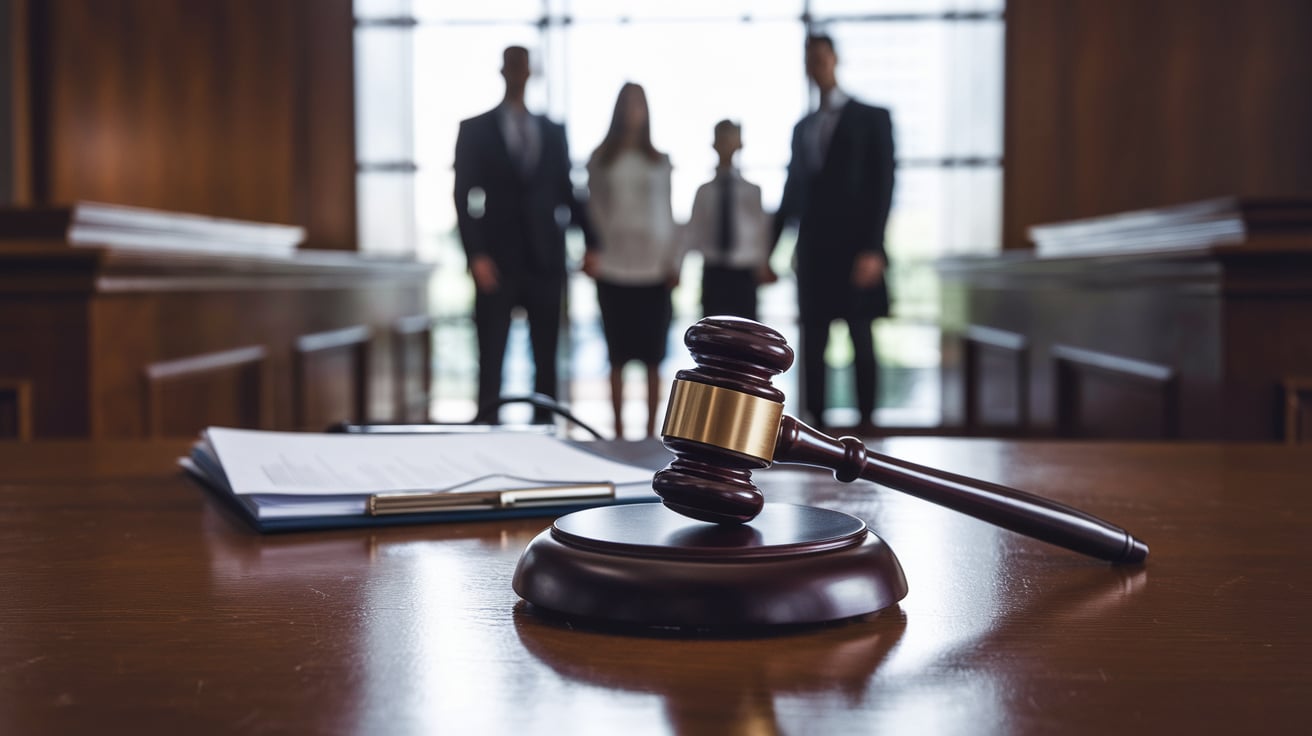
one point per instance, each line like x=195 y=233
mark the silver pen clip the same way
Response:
x=383 y=504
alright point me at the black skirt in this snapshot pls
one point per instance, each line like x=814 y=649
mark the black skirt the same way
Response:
x=635 y=320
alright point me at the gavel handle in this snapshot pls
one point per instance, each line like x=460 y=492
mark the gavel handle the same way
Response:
x=1020 y=512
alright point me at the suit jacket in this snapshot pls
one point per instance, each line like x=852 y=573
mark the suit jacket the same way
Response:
x=521 y=223
x=841 y=206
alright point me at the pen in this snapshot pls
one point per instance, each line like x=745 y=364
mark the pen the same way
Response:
x=381 y=504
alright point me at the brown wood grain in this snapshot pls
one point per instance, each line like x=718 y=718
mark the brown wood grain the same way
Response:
x=1115 y=106
x=1175 y=323
x=412 y=367
x=228 y=388
x=234 y=108
x=135 y=602
x=331 y=372
x=90 y=329
x=15 y=409
x=1298 y=409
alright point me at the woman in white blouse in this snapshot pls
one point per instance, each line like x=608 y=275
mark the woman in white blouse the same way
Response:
x=637 y=262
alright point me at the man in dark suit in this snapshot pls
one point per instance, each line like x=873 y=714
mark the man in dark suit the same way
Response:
x=514 y=199
x=838 y=191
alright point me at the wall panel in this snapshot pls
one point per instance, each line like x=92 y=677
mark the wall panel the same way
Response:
x=15 y=409
x=331 y=374
x=232 y=108
x=412 y=364
x=163 y=344
x=997 y=380
x=1115 y=106
x=1104 y=396
x=223 y=389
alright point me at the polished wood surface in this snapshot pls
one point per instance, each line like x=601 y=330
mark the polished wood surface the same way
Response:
x=642 y=565
x=1114 y=106
x=135 y=602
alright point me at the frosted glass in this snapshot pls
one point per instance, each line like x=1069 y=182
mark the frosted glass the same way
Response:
x=487 y=10
x=945 y=211
x=822 y=8
x=584 y=10
x=387 y=212
x=941 y=80
x=384 y=121
x=457 y=74
x=366 y=9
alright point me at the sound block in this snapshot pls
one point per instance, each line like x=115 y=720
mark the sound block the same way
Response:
x=645 y=565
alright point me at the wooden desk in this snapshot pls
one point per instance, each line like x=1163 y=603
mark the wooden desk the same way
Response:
x=135 y=603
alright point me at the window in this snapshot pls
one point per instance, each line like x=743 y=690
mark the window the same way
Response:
x=423 y=65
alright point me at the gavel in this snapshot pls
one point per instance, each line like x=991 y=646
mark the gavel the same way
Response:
x=725 y=420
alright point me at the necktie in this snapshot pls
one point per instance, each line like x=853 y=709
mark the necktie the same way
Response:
x=523 y=152
x=725 y=239
x=826 y=120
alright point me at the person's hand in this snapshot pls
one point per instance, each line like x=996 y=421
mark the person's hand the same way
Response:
x=766 y=275
x=590 y=263
x=484 y=271
x=867 y=270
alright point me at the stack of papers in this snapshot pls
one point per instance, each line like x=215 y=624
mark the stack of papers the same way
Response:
x=291 y=480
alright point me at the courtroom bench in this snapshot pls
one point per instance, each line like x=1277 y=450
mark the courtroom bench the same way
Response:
x=113 y=340
x=1186 y=322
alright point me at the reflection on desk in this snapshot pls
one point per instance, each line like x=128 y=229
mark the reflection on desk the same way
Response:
x=134 y=600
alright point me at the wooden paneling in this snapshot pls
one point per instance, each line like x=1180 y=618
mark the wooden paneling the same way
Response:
x=1162 y=313
x=325 y=137
x=1180 y=322
x=224 y=389
x=1298 y=410
x=232 y=108
x=84 y=325
x=42 y=345
x=16 y=135
x=997 y=370
x=15 y=409
x=331 y=370
x=412 y=356
x=1114 y=106
x=12 y=48
x=1102 y=396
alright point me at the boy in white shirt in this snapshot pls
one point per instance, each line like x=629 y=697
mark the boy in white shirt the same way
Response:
x=730 y=229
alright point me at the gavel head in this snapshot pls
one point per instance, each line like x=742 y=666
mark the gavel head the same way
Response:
x=723 y=420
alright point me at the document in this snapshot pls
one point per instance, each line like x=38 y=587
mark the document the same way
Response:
x=288 y=475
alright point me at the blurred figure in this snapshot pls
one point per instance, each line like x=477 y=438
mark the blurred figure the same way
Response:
x=838 y=191
x=636 y=263
x=728 y=226
x=512 y=181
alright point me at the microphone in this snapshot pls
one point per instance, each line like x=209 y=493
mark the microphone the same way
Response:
x=725 y=420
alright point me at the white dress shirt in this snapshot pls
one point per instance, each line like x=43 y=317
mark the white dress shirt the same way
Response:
x=819 y=126
x=749 y=248
x=629 y=202
x=523 y=135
